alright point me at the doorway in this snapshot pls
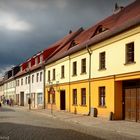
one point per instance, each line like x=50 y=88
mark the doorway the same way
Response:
x=62 y=100
x=21 y=98
x=131 y=99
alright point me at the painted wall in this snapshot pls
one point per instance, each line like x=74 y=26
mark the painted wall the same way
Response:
x=115 y=54
x=109 y=96
x=78 y=57
x=57 y=66
x=36 y=87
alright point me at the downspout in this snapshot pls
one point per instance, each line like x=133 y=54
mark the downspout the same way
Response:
x=69 y=87
x=44 y=81
x=89 y=78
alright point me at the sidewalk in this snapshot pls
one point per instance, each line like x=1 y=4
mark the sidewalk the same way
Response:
x=124 y=128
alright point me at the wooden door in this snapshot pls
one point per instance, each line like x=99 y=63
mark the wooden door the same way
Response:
x=130 y=104
x=138 y=104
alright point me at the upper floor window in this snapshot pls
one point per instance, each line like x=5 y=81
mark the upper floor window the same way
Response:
x=49 y=75
x=53 y=74
x=37 y=77
x=28 y=79
x=83 y=65
x=40 y=76
x=102 y=60
x=22 y=81
x=33 y=78
x=83 y=96
x=101 y=96
x=130 y=53
x=62 y=71
x=74 y=68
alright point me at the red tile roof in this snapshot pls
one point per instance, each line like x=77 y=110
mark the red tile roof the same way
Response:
x=113 y=25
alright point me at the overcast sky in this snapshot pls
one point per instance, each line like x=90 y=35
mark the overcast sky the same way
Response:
x=29 y=26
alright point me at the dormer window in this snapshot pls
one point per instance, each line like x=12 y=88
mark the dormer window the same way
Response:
x=73 y=43
x=41 y=58
x=99 y=30
x=36 y=61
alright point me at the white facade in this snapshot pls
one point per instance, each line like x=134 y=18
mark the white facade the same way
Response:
x=9 y=89
x=31 y=85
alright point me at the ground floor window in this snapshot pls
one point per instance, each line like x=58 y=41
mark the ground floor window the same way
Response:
x=27 y=97
x=74 y=96
x=101 y=96
x=40 y=98
x=83 y=96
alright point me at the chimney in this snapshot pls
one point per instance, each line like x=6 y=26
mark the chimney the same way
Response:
x=70 y=31
x=117 y=8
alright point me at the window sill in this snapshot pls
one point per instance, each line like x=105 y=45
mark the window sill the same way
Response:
x=130 y=63
x=74 y=105
x=74 y=75
x=102 y=106
x=103 y=69
x=83 y=105
x=83 y=73
x=62 y=77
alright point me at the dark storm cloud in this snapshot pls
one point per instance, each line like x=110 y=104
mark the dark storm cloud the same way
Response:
x=28 y=26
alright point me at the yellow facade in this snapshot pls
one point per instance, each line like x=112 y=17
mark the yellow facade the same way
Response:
x=109 y=96
x=79 y=109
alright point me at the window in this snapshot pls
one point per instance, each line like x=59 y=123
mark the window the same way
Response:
x=83 y=65
x=21 y=81
x=36 y=60
x=74 y=96
x=40 y=76
x=37 y=77
x=130 y=53
x=62 y=71
x=53 y=74
x=39 y=98
x=101 y=96
x=41 y=58
x=32 y=78
x=49 y=100
x=83 y=96
x=48 y=75
x=102 y=61
x=28 y=79
x=74 y=68
x=53 y=98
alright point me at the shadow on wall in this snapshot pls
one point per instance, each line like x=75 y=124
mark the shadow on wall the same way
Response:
x=12 y=131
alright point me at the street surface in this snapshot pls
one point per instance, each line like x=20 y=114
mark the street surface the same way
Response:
x=26 y=125
x=18 y=123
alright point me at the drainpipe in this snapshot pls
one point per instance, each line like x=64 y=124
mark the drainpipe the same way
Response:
x=89 y=78
x=69 y=87
x=44 y=86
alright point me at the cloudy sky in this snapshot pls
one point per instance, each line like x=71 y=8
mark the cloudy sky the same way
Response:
x=28 y=26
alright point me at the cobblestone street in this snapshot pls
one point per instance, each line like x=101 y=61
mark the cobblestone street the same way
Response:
x=22 y=124
x=19 y=125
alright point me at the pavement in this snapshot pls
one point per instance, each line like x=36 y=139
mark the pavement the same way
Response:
x=126 y=129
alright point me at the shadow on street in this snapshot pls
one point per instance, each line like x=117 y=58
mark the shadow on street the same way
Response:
x=14 y=131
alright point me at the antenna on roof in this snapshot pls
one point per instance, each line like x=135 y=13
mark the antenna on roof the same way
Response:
x=117 y=8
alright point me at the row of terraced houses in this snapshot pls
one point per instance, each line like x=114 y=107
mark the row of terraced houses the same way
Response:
x=96 y=68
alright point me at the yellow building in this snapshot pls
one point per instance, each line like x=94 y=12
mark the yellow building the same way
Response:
x=102 y=69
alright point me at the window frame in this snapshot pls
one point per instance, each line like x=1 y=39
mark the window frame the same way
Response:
x=83 y=66
x=83 y=96
x=74 y=64
x=74 y=91
x=102 y=96
x=102 y=60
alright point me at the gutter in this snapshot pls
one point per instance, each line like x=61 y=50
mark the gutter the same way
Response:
x=89 y=78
